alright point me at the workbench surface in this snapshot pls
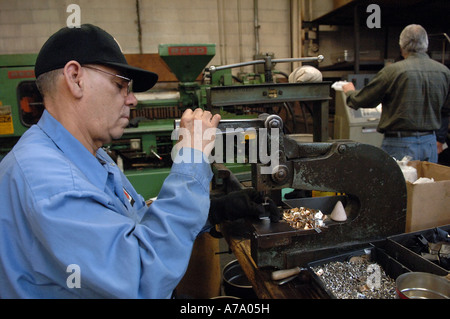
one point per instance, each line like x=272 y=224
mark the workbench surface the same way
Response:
x=303 y=287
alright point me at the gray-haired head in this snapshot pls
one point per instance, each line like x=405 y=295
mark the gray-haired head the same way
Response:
x=414 y=38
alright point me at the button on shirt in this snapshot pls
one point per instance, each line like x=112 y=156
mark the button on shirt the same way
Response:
x=413 y=93
x=61 y=207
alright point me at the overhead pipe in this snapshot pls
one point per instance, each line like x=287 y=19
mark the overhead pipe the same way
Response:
x=241 y=56
x=221 y=36
x=138 y=14
x=256 y=26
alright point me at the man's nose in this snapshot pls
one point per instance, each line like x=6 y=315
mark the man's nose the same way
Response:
x=131 y=100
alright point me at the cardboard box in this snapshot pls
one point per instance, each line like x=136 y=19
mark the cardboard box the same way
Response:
x=428 y=205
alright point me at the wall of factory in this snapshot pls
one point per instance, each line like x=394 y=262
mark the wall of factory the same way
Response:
x=230 y=24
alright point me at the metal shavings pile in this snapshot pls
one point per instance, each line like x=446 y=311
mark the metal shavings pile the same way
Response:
x=304 y=218
x=348 y=280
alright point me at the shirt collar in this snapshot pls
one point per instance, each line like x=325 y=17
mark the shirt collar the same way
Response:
x=418 y=55
x=73 y=149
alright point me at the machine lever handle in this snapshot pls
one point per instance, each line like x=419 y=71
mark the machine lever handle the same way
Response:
x=213 y=68
x=157 y=156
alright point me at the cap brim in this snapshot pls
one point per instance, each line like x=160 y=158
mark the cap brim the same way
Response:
x=143 y=80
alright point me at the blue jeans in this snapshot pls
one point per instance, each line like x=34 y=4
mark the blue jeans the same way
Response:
x=420 y=148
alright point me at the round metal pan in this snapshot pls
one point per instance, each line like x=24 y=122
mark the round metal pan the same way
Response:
x=422 y=285
x=236 y=283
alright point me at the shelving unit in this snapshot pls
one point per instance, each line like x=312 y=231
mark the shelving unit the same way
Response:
x=431 y=14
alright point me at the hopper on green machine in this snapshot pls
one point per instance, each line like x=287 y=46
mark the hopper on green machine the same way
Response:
x=187 y=61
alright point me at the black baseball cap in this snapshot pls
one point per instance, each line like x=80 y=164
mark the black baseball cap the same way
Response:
x=89 y=44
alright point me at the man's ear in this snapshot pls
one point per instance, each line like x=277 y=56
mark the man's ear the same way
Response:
x=74 y=78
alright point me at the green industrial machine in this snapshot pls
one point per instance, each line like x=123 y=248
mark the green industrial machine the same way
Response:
x=144 y=150
x=20 y=102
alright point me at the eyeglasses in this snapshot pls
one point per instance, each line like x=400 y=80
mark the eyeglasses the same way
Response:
x=129 y=85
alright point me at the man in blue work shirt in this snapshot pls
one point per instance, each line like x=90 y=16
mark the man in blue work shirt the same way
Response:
x=71 y=224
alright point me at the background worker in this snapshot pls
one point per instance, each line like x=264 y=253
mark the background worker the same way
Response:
x=414 y=94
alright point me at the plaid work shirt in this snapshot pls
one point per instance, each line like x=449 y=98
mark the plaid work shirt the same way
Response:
x=414 y=94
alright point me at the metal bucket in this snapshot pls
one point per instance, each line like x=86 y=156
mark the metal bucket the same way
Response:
x=236 y=283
